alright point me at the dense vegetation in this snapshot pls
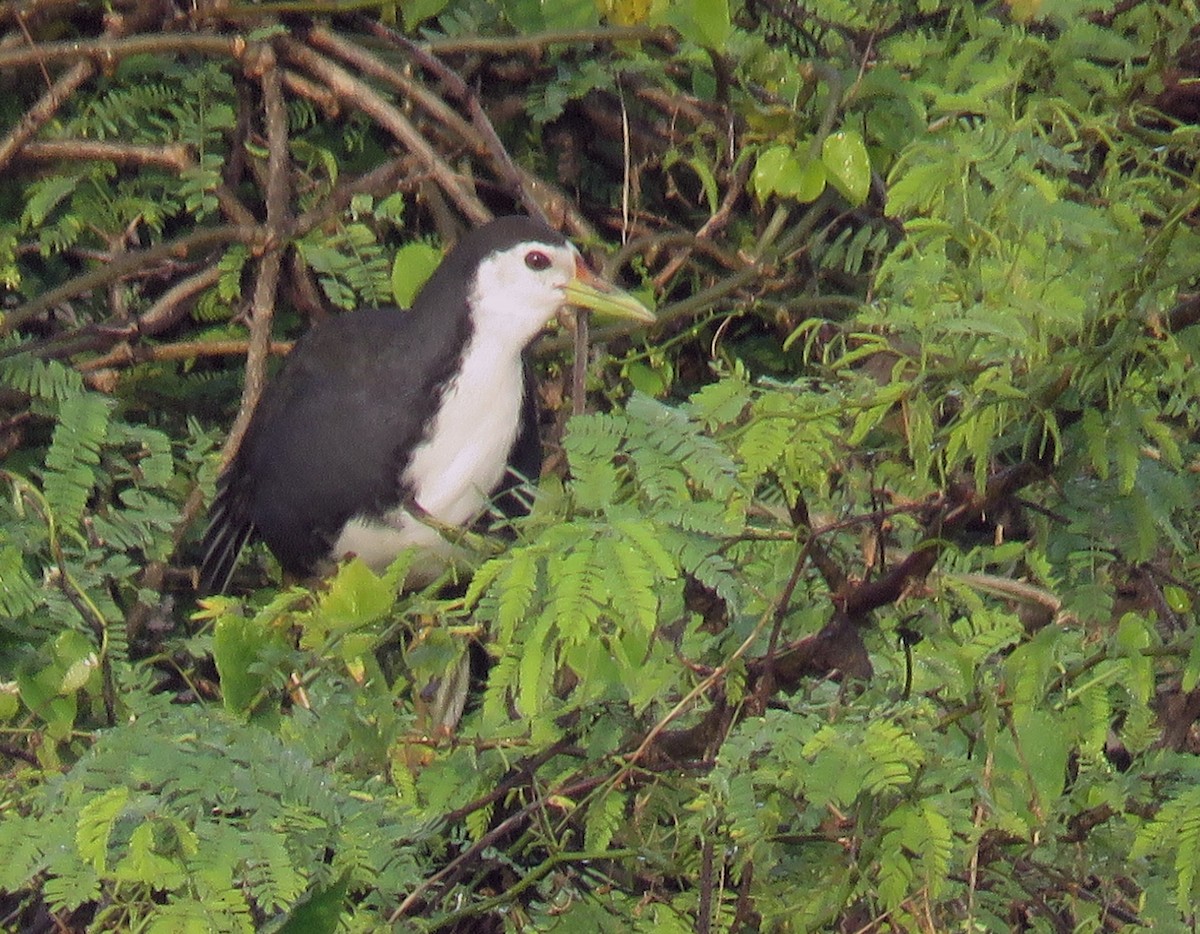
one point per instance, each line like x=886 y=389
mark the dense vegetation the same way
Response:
x=859 y=598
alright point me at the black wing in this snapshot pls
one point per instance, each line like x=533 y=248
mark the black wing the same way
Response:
x=331 y=436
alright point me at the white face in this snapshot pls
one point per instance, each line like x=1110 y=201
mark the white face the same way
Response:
x=518 y=291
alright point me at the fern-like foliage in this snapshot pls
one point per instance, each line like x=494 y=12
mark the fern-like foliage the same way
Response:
x=653 y=494
x=351 y=266
x=224 y=820
x=46 y=380
x=74 y=454
x=1175 y=832
x=18 y=592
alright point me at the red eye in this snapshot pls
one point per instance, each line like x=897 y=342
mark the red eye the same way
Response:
x=537 y=260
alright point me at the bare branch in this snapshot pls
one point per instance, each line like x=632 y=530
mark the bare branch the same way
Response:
x=130 y=262
x=356 y=93
x=174 y=156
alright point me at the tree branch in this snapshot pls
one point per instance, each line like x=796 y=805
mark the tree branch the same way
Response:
x=355 y=93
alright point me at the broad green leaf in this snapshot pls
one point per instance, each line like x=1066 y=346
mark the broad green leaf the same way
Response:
x=703 y=22
x=413 y=265
x=768 y=169
x=321 y=913
x=1044 y=745
x=783 y=171
x=530 y=16
x=238 y=646
x=845 y=158
x=417 y=11
x=356 y=596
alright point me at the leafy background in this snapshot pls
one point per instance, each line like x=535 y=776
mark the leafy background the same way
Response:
x=858 y=594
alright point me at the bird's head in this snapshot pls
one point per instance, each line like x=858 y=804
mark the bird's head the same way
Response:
x=529 y=274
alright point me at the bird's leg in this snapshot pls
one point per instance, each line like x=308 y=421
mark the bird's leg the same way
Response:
x=458 y=535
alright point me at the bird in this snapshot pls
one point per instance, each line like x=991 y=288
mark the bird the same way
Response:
x=386 y=427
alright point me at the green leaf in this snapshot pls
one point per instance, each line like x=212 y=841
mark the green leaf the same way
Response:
x=603 y=820
x=44 y=196
x=1044 y=746
x=530 y=16
x=144 y=864
x=95 y=825
x=322 y=912
x=238 y=647
x=782 y=170
x=1191 y=668
x=844 y=155
x=356 y=596
x=703 y=22
x=413 y=265
x=18 y=592
x=74 y=454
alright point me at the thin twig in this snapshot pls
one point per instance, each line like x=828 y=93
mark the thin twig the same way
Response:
x=412 y=91
x=278 y=226
x=484 y=135
x=43 y=110
x=358 y=94
x=129 y=262
x=125 y=355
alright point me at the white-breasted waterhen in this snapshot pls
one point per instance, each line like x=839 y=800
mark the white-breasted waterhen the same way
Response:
x=384 y=424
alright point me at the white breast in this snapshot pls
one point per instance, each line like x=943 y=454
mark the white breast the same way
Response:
x=456 y=468
x=453 y=472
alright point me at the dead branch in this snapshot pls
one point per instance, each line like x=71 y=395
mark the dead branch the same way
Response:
x=356 y=93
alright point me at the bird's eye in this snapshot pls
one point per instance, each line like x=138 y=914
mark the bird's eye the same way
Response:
x=537 y=260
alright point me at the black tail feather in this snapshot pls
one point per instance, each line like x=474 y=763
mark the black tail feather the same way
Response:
x=229 y=528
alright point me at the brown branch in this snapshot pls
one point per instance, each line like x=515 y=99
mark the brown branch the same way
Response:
x=700 y=303
x=16 y=752
x=166 y=312
x=127 y=355
x=538 y=197
x=278 y=225
x=163 y=314
x=317 y=93
x=109 y=51
x=43 y=110
x=174 y=156
x=411 y=91
x=838 y=646
x=130 y=262
x=170 y=307
x=837 y=649
x=833 y=575
x=961 y=509
x=379 y=181
x=47 y=105
x=483 y=136
x=358 y=94
x=536 y=44
x=714 y=225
